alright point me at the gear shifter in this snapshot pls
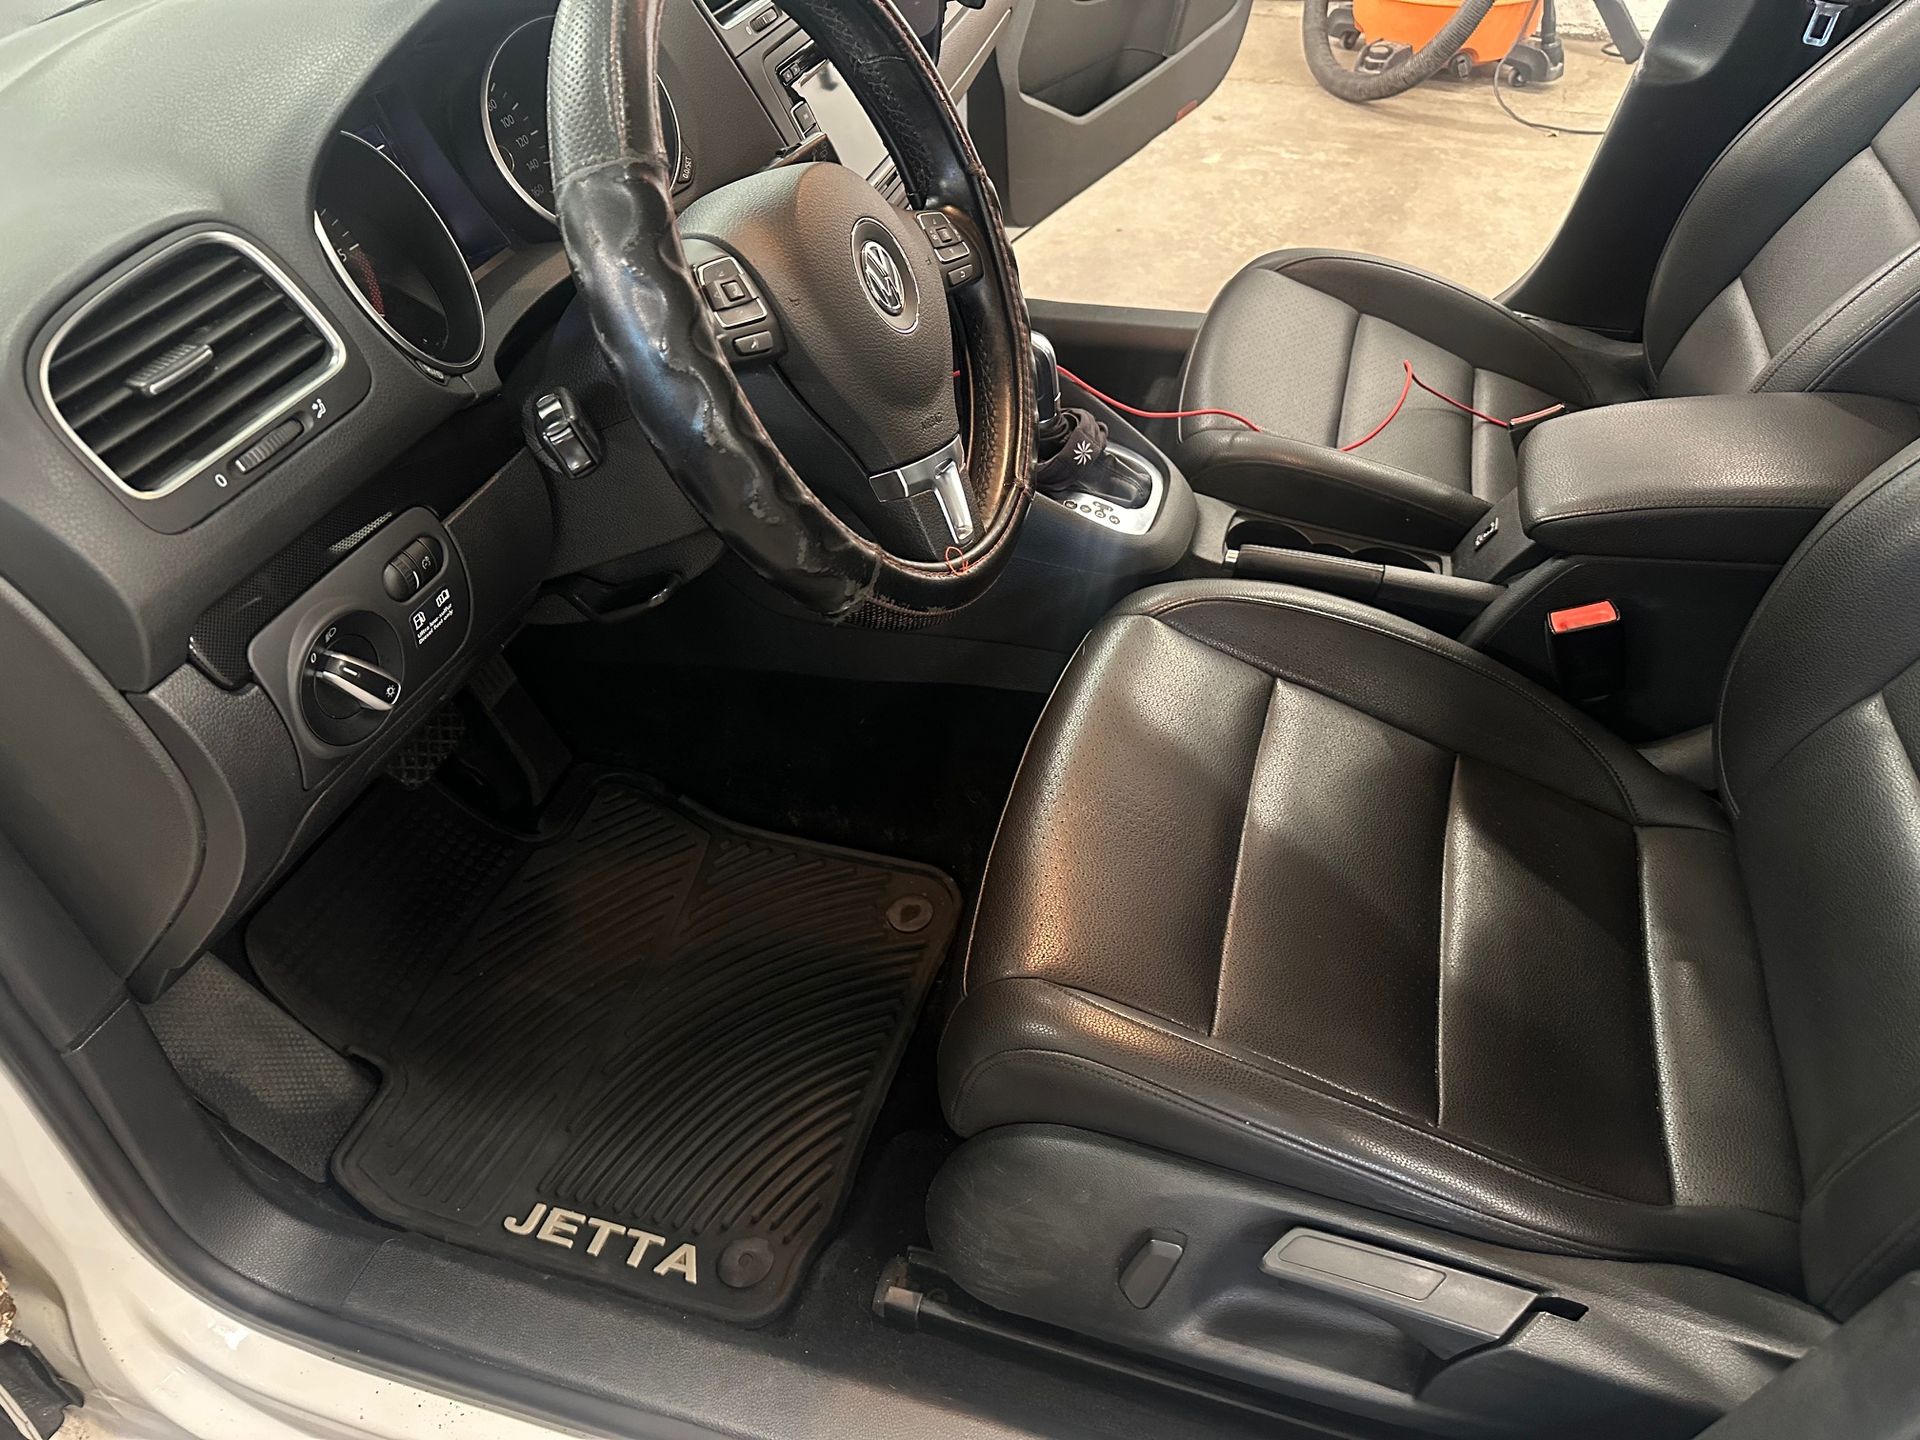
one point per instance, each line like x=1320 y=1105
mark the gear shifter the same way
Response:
x=1070 y=445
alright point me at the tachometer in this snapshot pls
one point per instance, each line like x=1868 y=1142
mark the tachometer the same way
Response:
x=514 y=102
x=390 y=248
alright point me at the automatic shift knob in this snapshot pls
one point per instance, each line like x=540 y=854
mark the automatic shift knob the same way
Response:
x=1046 y=380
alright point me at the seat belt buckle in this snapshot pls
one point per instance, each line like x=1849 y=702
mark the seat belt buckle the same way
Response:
x=1822 y=23
x=1587 y=646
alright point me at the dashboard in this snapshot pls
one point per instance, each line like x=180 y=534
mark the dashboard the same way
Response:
x=281 y=283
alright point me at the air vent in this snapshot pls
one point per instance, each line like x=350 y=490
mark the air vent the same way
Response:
x=181 y=358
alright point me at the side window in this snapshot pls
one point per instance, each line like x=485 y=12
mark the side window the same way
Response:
x=1466 y=174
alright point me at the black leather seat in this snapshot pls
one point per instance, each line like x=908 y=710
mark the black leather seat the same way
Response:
x=1793 y=267
x=1296 y=889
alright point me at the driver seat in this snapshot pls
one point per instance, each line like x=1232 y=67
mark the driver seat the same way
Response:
x=1794 y=267
x=1292 y=889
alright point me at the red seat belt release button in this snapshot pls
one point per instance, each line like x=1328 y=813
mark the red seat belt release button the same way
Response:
x=1583 y=617
x=1587 y=644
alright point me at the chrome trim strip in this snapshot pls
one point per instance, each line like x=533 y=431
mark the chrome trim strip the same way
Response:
x=450 y=367
x=944 y=473
x=288 y=396
x=486 y=118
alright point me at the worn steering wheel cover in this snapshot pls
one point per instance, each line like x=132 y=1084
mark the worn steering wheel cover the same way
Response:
x=614 y=199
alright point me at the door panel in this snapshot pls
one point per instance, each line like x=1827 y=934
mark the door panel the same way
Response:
x=1077 y=86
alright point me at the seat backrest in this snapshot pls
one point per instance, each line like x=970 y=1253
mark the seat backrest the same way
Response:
x=1796 y=264
x=1818 y=730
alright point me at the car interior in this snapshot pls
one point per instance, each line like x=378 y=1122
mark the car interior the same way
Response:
x=632 y=787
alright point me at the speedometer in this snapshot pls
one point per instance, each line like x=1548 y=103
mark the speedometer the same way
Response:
x=514 y=101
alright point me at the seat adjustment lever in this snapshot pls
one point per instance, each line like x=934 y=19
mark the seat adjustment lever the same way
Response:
x=1447 y=1310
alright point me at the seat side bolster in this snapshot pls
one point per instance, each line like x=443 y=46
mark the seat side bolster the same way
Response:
x=1774 y=166
x=1023 y=1050
x=1723 y=1101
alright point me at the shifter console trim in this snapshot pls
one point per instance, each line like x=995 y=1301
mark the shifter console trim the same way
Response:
x=1119 y=518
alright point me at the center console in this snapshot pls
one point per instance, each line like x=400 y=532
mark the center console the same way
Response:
x=1674 y=513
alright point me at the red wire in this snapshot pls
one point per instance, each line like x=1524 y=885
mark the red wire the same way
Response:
x=1126 y=409
x=1477 y=414
x=1406 y=389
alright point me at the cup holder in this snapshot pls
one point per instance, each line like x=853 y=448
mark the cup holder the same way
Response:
x=1387 y=555
x=1281 y=536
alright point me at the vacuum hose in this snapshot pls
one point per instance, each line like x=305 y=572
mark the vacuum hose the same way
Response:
x=1423 y=64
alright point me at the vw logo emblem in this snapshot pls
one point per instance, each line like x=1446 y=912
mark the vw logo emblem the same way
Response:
x=881 y=275
x=884 y=276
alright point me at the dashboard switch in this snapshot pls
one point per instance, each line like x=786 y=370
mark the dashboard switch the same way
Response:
x=401 y=580
x=361 y=681
x=569 y=443
x=425 y=558
x=267 y=446
x=351 y=678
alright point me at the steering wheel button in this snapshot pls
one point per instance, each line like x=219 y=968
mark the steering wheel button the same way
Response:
x=759 y=342
x=960 y=274
x=751 y=313
x=734 y=292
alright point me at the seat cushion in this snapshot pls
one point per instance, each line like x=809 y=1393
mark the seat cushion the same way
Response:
x=1308 y=344
x=1293 y=887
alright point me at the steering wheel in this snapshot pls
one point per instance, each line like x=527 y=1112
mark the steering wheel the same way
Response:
x=809 y=267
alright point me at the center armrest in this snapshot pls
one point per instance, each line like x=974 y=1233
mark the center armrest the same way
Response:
x=1711 y=477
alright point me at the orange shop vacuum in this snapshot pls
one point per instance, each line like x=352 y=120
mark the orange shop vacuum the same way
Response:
x=1403 y=42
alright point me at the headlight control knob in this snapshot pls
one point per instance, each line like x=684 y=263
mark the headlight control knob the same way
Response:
x=351 y=678
x=361 y=681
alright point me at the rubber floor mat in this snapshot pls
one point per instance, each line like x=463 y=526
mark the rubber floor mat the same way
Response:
x=646 y=1050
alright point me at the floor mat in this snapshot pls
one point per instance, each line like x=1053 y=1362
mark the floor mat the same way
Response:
x=646 y=1050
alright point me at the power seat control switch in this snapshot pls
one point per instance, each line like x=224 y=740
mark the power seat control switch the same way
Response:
x=567 y=438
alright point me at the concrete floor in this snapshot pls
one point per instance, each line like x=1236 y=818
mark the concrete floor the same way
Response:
x=1438 y=177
